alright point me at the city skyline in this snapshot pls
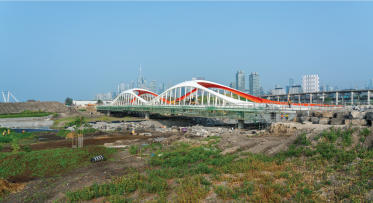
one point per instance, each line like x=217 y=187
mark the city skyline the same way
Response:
x=84 y=48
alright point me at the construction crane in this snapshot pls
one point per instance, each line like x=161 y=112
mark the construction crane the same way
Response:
x=7 y=101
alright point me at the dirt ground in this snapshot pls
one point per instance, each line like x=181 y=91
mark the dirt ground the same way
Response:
x=52 y=189
x=50 y=141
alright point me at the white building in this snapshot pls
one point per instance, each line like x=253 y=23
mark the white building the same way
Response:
x=278 y=90
x=295 y=89
x=83 y=102
x=310 y=83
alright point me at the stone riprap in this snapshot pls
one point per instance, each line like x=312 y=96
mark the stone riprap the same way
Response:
x=358 y=116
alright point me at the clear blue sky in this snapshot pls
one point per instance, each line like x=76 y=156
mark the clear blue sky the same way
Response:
x=53 y=50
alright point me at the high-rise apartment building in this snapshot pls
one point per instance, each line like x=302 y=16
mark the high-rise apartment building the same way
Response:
x=371 y=84
x=310 y=83
x=240 y=81
x=254 y=84
x=122 y=87
x=232 y=85
x=128 y=86
x=295 y=89
x=153 y=86
x=161 y=88
x=291 y=81
x=132 y=85
x=261 y=90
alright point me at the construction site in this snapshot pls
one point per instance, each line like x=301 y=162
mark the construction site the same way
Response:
x=163 y=148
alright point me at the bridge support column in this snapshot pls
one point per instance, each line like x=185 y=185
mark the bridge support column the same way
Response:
x=147 y=115
x=299 y=98
x=172 y=112
x=368 y=98
x=352 y=98
x=278 y=98
x=241 y=124
x=323 y=95
x=108 y=113
x=336 y=98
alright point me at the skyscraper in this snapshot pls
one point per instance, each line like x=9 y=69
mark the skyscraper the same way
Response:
x=254 y=83
x=128 y=86
x=291 y=81
x=233 y=85
x=122 y=87
x=310 y=83
x=169 y=85
x=240 y=81
x=161 y=88
x=132 y=85
x=371 y=84
x=141 y=81
x=153 y=86
x=200 y=78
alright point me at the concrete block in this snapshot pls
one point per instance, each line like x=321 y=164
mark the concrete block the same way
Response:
x=342 y=114
x=355 y=115
x=315 y=120
x=304 y=119
x=359 y=122
x=369 y=116
x=347 y=121
x=318 y=114
x=337 y=121
x=324 y=121
x=327 y=114
x=302 y=113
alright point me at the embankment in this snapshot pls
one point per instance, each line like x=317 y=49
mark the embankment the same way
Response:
x=9 y=108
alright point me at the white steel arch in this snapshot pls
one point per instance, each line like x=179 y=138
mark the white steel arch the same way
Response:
x=130 y=97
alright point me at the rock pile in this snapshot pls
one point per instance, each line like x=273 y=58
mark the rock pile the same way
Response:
x=360 y=117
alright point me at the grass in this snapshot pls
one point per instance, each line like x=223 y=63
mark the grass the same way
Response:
x=19 y=136
x=26 y=114
x=299 y=174
x=48 y=162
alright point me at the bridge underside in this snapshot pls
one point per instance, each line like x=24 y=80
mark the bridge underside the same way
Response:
x=255 y=115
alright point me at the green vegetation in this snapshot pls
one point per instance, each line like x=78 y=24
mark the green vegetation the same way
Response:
x=133 y=149
x=49 y=162
x=26 y=114
x=13 y=135
x=68 y=101
x=299 y=174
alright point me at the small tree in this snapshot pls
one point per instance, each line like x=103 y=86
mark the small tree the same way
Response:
x=15 y=144
x=99 y=102
x=68 y=101
x=79 y=123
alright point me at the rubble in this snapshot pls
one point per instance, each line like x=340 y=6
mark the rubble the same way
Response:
x=352 y=115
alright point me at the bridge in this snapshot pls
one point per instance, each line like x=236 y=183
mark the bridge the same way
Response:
x=201 y=98
x=338 y=97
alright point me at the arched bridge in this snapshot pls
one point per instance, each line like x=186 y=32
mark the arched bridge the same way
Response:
x=204 y=99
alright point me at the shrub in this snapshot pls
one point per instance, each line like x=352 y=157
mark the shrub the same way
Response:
x=365 y=132
x=27 y=148
x=63 y=133
x=302 y=139
x=15 y=144
x=1 y=147
x=133 y=149
x=362 y=139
